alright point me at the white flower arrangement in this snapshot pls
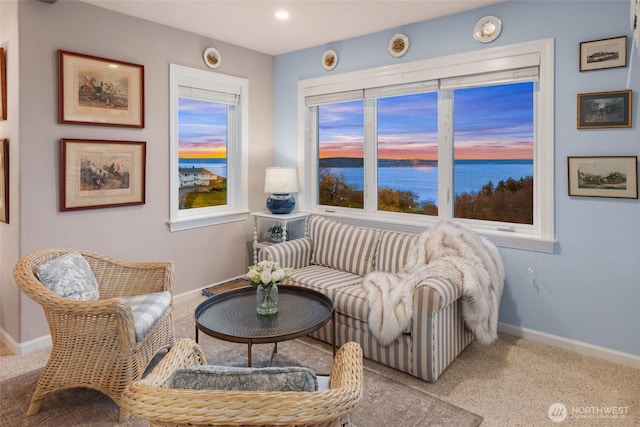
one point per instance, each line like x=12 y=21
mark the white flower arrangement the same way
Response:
x=267 y=274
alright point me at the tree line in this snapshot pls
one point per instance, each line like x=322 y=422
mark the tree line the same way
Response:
x=511 y=200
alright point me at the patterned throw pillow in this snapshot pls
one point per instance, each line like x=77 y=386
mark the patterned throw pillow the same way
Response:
x=209 y=377
x=70 y=277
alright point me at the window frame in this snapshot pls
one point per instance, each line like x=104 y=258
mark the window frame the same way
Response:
x=236 y=208
x=537 y=237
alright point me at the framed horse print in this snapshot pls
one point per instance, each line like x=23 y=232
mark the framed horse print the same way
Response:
x=101 y=174
x=99 y=91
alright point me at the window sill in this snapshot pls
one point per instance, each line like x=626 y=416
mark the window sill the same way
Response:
x=205 y=221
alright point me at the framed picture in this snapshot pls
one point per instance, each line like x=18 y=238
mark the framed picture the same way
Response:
x=4 y=181
x=602 y=54
x=101 y=174
x=100 y=91
x=606 y=176
x=605 y=109
x=3 y=86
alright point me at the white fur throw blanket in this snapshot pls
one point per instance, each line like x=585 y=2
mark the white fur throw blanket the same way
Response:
x=449 y=251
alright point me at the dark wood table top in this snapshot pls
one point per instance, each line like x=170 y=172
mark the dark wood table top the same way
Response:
x=232 y=316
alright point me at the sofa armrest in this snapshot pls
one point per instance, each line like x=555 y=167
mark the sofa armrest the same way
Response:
x=290 y=254
x=438 y=330
x=445 y=292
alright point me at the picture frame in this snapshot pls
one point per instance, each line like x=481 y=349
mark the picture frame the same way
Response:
x=3 y=85
x=603 y=176
x=101 y=174
x=4 y=181
x=99 y=91
x=599 y=110
x=603 y=54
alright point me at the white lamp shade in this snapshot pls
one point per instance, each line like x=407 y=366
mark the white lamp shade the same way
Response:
x=281 y=180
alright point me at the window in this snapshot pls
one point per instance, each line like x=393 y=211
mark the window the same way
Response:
x=341 y=148
x=467 y=136
x=208 y=148
x=493 y=153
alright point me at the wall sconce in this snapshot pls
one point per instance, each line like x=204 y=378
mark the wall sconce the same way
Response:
x=280 y=182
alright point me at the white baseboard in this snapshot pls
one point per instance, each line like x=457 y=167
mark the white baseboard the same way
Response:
x=24 y=347
x=586 y=349
x=45 y=341
x=187 y=296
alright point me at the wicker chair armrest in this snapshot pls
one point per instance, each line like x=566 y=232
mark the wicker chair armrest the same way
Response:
x=183 y=354
x=117 y=314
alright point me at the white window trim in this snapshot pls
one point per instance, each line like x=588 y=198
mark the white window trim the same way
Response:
x=237 y=207
x=538 y=237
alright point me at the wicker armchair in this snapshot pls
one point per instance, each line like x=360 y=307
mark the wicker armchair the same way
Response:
x=94 y=342
x=151 y=399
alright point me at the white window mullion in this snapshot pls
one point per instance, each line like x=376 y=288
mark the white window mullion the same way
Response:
x=232 y=153
x=311 y=168
x=370 y=156
x=445 y=154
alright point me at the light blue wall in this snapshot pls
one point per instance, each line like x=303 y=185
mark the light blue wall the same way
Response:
x=589 y=289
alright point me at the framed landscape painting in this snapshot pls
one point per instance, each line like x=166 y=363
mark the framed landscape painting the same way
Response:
x=101 y=174
x=100 y=91
x=600 y=110
x=606 y=176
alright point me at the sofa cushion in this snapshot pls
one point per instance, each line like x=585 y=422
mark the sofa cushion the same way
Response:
x=393 y=250
x=352 y=301
x=70 y=277
x=147 y=310
x=209 y=377
x=342 y=246
x=324 y=279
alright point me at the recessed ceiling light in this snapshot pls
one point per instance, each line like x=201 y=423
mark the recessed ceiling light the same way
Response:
x=282 y=15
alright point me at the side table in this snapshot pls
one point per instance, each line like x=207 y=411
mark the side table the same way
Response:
x=283 y=219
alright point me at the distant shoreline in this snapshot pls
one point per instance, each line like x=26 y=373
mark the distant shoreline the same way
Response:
x=350 y=162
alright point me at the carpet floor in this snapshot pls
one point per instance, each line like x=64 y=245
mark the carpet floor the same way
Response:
x=512 y=382
x=386 y=402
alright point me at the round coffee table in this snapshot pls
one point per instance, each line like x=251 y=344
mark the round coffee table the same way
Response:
x=231 y=316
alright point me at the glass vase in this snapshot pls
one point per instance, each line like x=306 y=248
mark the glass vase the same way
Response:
x=267 y=300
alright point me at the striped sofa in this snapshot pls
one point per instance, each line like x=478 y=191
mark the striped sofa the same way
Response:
x=335 y=257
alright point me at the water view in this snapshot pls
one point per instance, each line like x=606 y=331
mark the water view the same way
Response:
x=470 y=176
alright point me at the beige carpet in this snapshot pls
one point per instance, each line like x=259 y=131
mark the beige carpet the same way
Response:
x=386 y=401
x=512 y=382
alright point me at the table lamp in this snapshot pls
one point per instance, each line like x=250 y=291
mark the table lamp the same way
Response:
x=280 y=182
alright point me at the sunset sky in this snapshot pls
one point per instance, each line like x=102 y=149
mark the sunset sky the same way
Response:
x=490 y=123
x=202 y=129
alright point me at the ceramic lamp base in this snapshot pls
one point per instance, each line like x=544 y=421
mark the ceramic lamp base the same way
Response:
x=281 y=203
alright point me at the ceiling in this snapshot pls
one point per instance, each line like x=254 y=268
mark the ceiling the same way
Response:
x=252 y=23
